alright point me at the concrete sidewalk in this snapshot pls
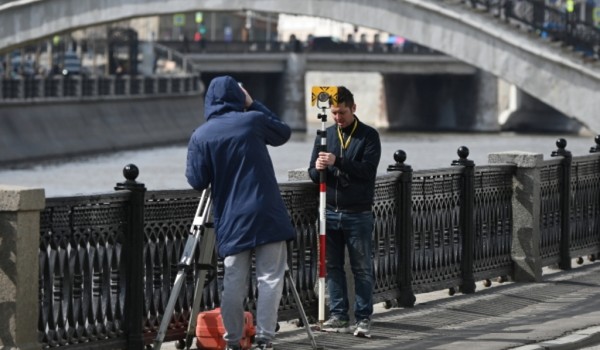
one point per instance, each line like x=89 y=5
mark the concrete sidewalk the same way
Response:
x=562 y=312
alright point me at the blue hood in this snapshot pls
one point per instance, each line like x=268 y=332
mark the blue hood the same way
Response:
x=223 y=95
x=229 y=152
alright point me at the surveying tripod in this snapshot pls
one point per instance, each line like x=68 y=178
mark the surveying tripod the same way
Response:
x=200 y=234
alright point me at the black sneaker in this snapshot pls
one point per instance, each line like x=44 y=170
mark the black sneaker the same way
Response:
x=262 y=345
x=233 y=347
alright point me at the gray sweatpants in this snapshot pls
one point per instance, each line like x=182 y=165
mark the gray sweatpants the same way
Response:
x=271 y=260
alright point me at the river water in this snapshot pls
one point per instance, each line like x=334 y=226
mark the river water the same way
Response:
x=164 y=167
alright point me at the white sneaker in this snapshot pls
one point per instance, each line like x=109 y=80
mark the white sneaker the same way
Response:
x=334 y=324
x=363 y=328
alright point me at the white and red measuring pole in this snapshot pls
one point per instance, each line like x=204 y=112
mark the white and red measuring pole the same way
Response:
x=322 y=220
x=324 y=97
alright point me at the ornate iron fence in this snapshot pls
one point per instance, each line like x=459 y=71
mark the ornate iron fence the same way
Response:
x=585 y=206
x=493 y=221
x=550 y=219
x=436 y=229
x=82 y=274
x=96 y=274
x=386 y=252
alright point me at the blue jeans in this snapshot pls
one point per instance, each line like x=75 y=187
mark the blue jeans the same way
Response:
x=352 y=230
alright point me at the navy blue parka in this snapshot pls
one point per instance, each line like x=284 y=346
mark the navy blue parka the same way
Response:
x=359 y=163
x=229 y=153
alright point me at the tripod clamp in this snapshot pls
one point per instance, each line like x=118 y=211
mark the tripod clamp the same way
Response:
x=323 y=117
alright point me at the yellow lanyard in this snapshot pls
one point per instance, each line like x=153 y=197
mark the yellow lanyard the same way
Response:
x=345 y=144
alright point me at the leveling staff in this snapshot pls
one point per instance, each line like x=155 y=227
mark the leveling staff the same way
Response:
x=351 y=160
x=229 y=152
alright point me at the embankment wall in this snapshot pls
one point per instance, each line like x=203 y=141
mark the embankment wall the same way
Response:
x=37 y=131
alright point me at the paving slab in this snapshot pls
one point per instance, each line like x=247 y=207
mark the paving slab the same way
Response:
x=562 y=312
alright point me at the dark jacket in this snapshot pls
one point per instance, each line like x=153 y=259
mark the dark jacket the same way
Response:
x=229 y=152
x=358 y=166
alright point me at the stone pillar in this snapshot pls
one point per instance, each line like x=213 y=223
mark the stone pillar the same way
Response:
x=111 y=85
x=526 y=212
x=19 y=266
x=293 y=81
x=127 y=84
x=40 y=91
x=7 y=71
x=507 y=100
x=78 y=85
x=486 y=113
x=60 y=83
x=20 y=86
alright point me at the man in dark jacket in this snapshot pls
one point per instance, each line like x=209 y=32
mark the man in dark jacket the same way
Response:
x=351 y=160
x=229 y=153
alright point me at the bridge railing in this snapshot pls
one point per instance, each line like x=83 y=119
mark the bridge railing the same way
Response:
x=551 y=22
x=194 y=47
x=434 y=229
x=28 y=89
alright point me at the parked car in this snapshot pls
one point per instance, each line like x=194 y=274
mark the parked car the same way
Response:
x=23 y=67
x=71 y=63
x=67 y=63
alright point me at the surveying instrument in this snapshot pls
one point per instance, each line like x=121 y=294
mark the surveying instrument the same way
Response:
x=323 y=97
x=202 y=233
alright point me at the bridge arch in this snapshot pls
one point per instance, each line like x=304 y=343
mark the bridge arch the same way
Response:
x=559 y=79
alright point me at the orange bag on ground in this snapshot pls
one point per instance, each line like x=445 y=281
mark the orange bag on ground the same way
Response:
x=210 y=330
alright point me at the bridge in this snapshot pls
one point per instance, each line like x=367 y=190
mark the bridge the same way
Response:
x=546 y=71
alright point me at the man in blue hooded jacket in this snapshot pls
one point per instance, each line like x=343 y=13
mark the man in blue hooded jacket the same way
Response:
x=229 y=153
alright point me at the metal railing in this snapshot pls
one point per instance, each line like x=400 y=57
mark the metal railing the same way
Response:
x=550 y=22
x=108 y=259
x=84 y=87
x=185 y=47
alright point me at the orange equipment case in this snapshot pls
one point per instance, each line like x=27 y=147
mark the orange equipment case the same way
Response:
x=210 y=331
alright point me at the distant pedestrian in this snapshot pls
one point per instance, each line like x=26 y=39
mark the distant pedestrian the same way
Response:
x=186 y=44
x=508 y=9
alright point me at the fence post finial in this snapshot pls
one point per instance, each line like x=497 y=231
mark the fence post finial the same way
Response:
x=565 y=203
x=404 y=233
x=467 y=220
x=596 y=148
x=134 y=257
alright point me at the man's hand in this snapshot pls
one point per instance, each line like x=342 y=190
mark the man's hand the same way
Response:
x=249 y=100
x=324 y=160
